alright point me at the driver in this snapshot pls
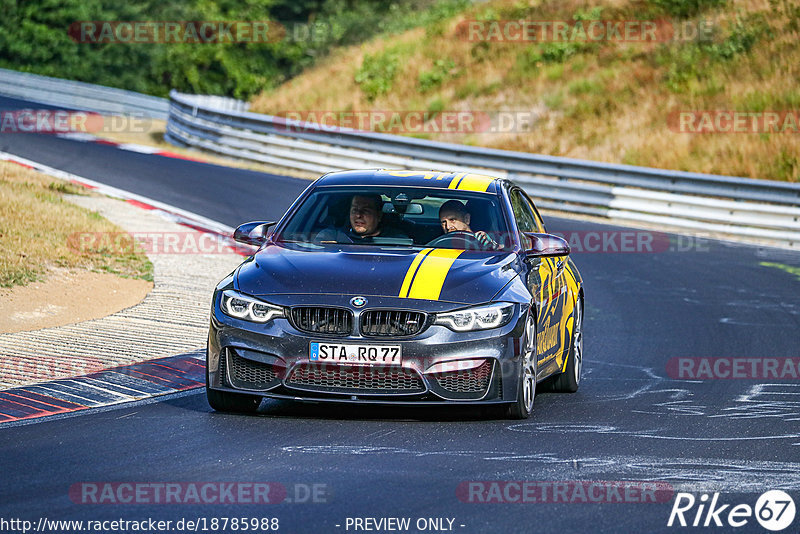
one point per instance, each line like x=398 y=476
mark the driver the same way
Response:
x=455 y=218
x=366 y=217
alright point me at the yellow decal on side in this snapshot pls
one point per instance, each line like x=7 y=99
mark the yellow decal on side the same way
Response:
x=547 y=338
x=567 y=316
x=567 y=339
x=572 y=282
x=425 y=277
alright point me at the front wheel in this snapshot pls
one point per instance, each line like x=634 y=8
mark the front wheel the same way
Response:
x=526 y=386
x=223 y=401
x=569 y=380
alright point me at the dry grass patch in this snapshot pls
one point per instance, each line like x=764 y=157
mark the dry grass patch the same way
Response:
x=605 y=101
x=39 y=231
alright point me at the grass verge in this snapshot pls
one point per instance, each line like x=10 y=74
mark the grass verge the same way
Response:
x=38 y=228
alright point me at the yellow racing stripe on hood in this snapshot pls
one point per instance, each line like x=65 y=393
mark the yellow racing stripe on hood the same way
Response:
x=429 y=279
x=412 y=271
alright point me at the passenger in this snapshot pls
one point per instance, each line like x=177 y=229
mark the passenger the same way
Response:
x=366 y=223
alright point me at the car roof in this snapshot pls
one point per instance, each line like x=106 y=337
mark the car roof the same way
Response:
x=462 y=181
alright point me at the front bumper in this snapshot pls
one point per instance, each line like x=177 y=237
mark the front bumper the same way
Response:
x=272 y=360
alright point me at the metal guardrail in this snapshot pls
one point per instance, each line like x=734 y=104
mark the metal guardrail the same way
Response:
x=78 y=95
x=741 y=207
x=218 y=103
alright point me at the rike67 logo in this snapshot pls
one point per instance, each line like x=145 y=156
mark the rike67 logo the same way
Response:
x=774 y=510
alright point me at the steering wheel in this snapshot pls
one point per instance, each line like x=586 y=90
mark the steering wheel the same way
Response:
x=457 y=239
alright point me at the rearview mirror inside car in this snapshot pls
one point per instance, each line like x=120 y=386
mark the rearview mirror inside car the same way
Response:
x=405 y=209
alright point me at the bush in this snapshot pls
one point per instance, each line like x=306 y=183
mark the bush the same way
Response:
x=436 y=106
x=687 y=8
x=441 y=71
x=690 y=61
x=585 y=86
x=786 y=167
x=377 y=72
x=33 y=38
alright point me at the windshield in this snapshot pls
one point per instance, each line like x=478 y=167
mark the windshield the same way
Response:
x=404 y=217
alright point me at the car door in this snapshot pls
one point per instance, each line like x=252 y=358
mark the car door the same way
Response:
x=540 y=279
x=564 y=293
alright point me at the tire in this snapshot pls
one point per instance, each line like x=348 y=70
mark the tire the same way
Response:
x=223 y=401
x=570 y=379
x=526 y=384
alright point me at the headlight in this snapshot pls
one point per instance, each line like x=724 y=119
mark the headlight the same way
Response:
x=477 y=318
x=247 y=308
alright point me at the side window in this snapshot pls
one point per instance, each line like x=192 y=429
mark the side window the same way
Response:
x=536 y=217
x=522 y=212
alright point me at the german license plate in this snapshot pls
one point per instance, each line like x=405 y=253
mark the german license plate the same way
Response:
x=355 y=354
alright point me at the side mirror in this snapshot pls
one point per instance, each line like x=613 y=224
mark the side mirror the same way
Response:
x=252 y=233
x=546 y=245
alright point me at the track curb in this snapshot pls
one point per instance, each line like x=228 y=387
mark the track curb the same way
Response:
x=117 y=384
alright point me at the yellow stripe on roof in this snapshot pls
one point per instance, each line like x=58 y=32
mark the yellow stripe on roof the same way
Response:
x=462 y=180
x=456 y=180
x=425 y=175
x=403 y=174
x=475 y=182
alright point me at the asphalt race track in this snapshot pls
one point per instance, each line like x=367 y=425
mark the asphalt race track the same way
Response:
x=632 y=420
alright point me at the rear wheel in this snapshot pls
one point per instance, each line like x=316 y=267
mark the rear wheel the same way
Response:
x=569 y=380
x=526 y=386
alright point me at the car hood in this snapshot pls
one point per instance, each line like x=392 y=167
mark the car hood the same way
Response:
x=431 y=274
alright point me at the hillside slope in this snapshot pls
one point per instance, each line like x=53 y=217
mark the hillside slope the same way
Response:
x=602 y=100
x=233 y=48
